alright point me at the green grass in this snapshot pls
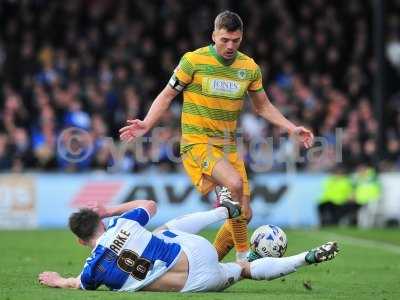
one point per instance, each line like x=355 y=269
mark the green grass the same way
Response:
x=364 y=269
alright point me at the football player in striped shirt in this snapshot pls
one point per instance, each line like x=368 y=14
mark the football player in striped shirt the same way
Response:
x=215 y=80
x=127 y=257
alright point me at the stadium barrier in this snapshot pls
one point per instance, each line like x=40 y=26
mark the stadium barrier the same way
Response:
x=41 y=200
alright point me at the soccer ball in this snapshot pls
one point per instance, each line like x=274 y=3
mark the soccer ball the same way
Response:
x=269 y=240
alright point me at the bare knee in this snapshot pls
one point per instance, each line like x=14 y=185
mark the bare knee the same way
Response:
x=235 y=186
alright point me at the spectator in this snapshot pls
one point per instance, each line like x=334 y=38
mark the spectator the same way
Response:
x=367 y=189
x=80 y=60
x=337 y=192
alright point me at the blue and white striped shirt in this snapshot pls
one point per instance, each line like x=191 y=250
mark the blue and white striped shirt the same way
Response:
x=128 y=257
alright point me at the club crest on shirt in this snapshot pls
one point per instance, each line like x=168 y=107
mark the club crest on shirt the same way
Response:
x=241 y=74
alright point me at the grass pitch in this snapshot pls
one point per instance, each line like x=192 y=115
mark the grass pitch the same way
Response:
x=368 y=267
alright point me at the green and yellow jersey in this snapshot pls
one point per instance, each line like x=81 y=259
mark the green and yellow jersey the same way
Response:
x=213 y=94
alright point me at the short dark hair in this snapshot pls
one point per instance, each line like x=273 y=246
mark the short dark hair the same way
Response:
x=84 y=223
x=228 y=20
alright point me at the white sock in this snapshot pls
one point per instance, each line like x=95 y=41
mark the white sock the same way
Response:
x=273 y=267
x=241 y=256
x=194 y=223
x=232 y=273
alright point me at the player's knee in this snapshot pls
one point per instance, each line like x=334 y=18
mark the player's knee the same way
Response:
x=236 y=186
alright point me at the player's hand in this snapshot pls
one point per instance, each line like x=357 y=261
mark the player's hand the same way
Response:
x=135 y=129
x=50 y=279
x=99 y=208
x=304 y=135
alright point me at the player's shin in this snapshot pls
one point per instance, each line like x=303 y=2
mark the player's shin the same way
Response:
x=240 y=237
x=195 y=222
x=223 y=242
x=233 y=234
x=269 y=268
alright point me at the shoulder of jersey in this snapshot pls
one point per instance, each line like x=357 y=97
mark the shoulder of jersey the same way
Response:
x=242 y=56
x=202 y=51
x=198 y=53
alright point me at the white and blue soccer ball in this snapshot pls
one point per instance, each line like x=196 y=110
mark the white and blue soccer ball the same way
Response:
x=269 y=240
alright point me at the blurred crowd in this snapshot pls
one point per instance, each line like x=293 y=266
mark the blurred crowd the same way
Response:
x=350 y=199
x=93 y=64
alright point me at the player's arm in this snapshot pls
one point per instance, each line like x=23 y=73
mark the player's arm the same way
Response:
x=183 y=75
x=53 y=279
x=160 y=105
x=269 y=112
x=111 y=211
x=264 y=108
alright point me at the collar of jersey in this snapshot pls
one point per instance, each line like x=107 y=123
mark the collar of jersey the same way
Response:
x=222 y=60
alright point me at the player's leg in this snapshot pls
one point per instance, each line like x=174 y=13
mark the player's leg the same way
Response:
x=174 y=280
x=233 y=232
x=194 y=162
x=225 y=175
x=224 y=240
x=201 y=162
x=269 y=268
x=195 y=222
x=204 y=268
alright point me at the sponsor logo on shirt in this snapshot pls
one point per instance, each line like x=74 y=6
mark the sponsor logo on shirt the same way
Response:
x=227 y=86
x=222 y=87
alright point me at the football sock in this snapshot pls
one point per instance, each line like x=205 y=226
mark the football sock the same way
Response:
x=194 y=223
x=232 y=233
x=223 y=242
x=252 y=255
x=239 y=235
x=273 y=267
x=232 y=272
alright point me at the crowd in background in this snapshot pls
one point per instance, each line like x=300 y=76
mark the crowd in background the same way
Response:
x=351 y=199
x=94 y=64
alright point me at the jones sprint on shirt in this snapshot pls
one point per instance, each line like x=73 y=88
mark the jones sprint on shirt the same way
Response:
x=127 y=257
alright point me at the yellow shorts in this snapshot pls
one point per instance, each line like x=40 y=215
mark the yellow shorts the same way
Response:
x=201 y=159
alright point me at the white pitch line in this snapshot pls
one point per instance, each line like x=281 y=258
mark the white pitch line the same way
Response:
x=361 y=242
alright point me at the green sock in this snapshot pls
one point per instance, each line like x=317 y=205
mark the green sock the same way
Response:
x=310 y=257
x=252 y=255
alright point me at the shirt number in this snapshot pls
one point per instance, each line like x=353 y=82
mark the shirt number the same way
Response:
x=130 y=262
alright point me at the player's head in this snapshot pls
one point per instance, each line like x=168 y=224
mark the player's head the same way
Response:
x=86 y=225
x=227 y=34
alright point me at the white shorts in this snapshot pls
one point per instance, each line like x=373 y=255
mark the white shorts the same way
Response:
x=205 y=272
